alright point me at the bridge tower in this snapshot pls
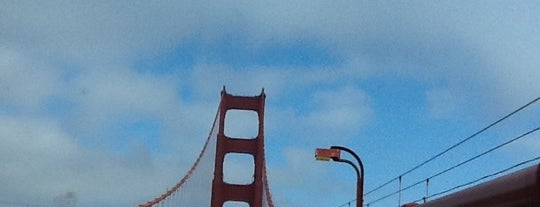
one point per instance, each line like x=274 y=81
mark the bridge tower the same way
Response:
x=252 y=193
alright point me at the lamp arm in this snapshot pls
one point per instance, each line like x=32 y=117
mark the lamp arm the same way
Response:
x=354 y=155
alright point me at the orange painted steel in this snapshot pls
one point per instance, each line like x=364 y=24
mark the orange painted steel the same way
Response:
x=521 y=188
x=251 y=194
x=221 y=191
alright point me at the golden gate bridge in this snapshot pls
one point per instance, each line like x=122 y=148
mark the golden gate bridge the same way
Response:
x=521 y=188
x=254 y=194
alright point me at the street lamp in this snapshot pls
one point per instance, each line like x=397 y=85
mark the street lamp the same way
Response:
x=334 y=153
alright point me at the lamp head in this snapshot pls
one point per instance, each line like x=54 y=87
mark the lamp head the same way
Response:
x=327 y=154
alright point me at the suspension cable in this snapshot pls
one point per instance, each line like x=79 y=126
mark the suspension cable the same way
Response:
x=179 y=184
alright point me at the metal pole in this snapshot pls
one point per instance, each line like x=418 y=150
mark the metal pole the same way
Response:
x=359 y=174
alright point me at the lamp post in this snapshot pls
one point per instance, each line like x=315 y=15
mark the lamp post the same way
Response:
x=334 y=153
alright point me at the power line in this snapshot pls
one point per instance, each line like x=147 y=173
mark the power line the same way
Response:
x=457 y=165
x=481 y=178
x=486 y=152
x=454 y=146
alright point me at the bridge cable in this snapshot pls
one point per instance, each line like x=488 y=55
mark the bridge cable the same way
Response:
x=453 y=146
x=186 y=177
x=457 y=165
x=266 y=186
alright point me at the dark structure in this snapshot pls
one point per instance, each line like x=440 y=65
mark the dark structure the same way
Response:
x=518 y=189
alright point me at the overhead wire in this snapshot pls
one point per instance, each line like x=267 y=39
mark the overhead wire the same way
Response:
x=480 y=179
x=165 y=197
x=453 y=146
x=457 y=165
x=444 y=152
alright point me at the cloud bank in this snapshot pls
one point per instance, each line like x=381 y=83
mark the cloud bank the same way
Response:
x=98 y=95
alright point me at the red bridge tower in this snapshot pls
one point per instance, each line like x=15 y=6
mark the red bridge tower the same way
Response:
x=252 y=193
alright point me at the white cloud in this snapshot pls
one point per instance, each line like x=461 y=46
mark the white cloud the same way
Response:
x=483 y=53
x=40 y=161
x=44 y=155
x=340 y=113
x=24 y=83
x=95 y=32
x=301 y=181
x=119 y=92
x=32 y=138
x=343 y=111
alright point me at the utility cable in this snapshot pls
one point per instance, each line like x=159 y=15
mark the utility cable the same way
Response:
x=454 y=146
x=481 y=178
x=459 y=164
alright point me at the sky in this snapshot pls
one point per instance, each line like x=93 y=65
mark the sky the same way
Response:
x=112 y=101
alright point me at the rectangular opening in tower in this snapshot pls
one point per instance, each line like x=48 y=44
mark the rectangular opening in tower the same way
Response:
x=241 y=124
x=238 y=168
x=235 y=204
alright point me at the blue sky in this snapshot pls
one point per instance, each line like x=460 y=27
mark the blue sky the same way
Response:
x=113 y=100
